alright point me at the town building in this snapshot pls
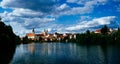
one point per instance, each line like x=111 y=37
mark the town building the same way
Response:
x=99 y=31
x=31 y=35
x=45 y=36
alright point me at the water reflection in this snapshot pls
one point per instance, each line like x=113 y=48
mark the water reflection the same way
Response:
x=65 y=53
x=104 y=53
x=31 y=47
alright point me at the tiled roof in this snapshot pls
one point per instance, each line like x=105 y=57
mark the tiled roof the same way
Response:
x=98 y=30
x=39 y=34
x=30 y=34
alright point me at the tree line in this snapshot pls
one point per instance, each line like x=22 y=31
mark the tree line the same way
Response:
x=99 y=38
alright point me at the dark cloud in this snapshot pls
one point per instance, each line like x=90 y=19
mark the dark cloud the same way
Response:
x=36 y=5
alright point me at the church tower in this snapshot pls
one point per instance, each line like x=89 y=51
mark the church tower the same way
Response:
x=45 y=32
x=0 y=19
x=33 y=31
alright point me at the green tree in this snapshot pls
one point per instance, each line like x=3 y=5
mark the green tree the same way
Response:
x=88 y=32
x=7 y=43
x=118 y=29
x=105 y=29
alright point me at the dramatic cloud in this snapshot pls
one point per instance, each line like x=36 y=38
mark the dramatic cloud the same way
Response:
x=86 y=6
x=42 y=14
x=37 y=5
x=20 y=12
x=37 y=22
x=93 y=23
x=42 y=8
x=86 y=1
x=63 y=7
x=72 y=1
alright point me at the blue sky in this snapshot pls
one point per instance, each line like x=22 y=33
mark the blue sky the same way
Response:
x=73 y=16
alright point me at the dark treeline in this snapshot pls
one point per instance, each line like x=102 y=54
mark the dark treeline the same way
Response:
x=99 y=38
x=8 y=41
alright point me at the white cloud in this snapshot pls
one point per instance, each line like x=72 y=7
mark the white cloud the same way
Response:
x=63 y=7
x=82 y=18
x=37 y=21
x=22 y=28
x=42 y=8
x=88 y=6
x=30 y=14
x=72 y=1
x=26 y=13
x=22 y=24
x=93 y=23
x=73 y=11
x=18 y=29
x=82 y=2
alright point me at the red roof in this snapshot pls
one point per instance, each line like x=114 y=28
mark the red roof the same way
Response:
x=98 y=31
x=39 y=34
x=30 y=34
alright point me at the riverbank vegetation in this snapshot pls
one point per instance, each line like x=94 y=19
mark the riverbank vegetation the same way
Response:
x=8 y=41
x=99 y=38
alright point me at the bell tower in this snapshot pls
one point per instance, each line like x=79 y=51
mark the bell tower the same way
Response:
x=0 y=18
x=45 y=32
x=33 y=31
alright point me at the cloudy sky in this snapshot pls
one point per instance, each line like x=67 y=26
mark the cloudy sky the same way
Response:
x=59 y=15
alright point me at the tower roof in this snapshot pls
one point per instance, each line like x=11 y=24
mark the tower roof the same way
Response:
x=33 y=31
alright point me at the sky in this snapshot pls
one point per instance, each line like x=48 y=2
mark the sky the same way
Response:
x=62 y=16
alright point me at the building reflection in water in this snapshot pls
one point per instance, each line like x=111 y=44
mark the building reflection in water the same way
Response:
x=31 y=47
x=55 y=49
x=65 y=53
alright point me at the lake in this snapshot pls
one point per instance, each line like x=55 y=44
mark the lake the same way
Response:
x=65 y=53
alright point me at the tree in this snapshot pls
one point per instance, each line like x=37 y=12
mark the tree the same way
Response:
x=118 y=29
x=88 y=32
x=105 y=29
x=7 y=43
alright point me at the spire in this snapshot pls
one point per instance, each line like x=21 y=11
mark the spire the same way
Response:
x=0 y=18
x=33 y=31
x=45 y=30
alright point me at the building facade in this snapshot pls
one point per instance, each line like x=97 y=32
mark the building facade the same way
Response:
x=45 y=36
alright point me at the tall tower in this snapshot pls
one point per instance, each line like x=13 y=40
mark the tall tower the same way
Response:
x=0 y=18
x=33 y=31
x=45 y=32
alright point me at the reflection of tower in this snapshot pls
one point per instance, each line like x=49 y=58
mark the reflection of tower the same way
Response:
x=31 y=47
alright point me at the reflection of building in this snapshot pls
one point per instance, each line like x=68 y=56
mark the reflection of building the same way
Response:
x=45 y=36
x=31 y=47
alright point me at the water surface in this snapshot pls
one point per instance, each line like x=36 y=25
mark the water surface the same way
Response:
x=65 y=53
